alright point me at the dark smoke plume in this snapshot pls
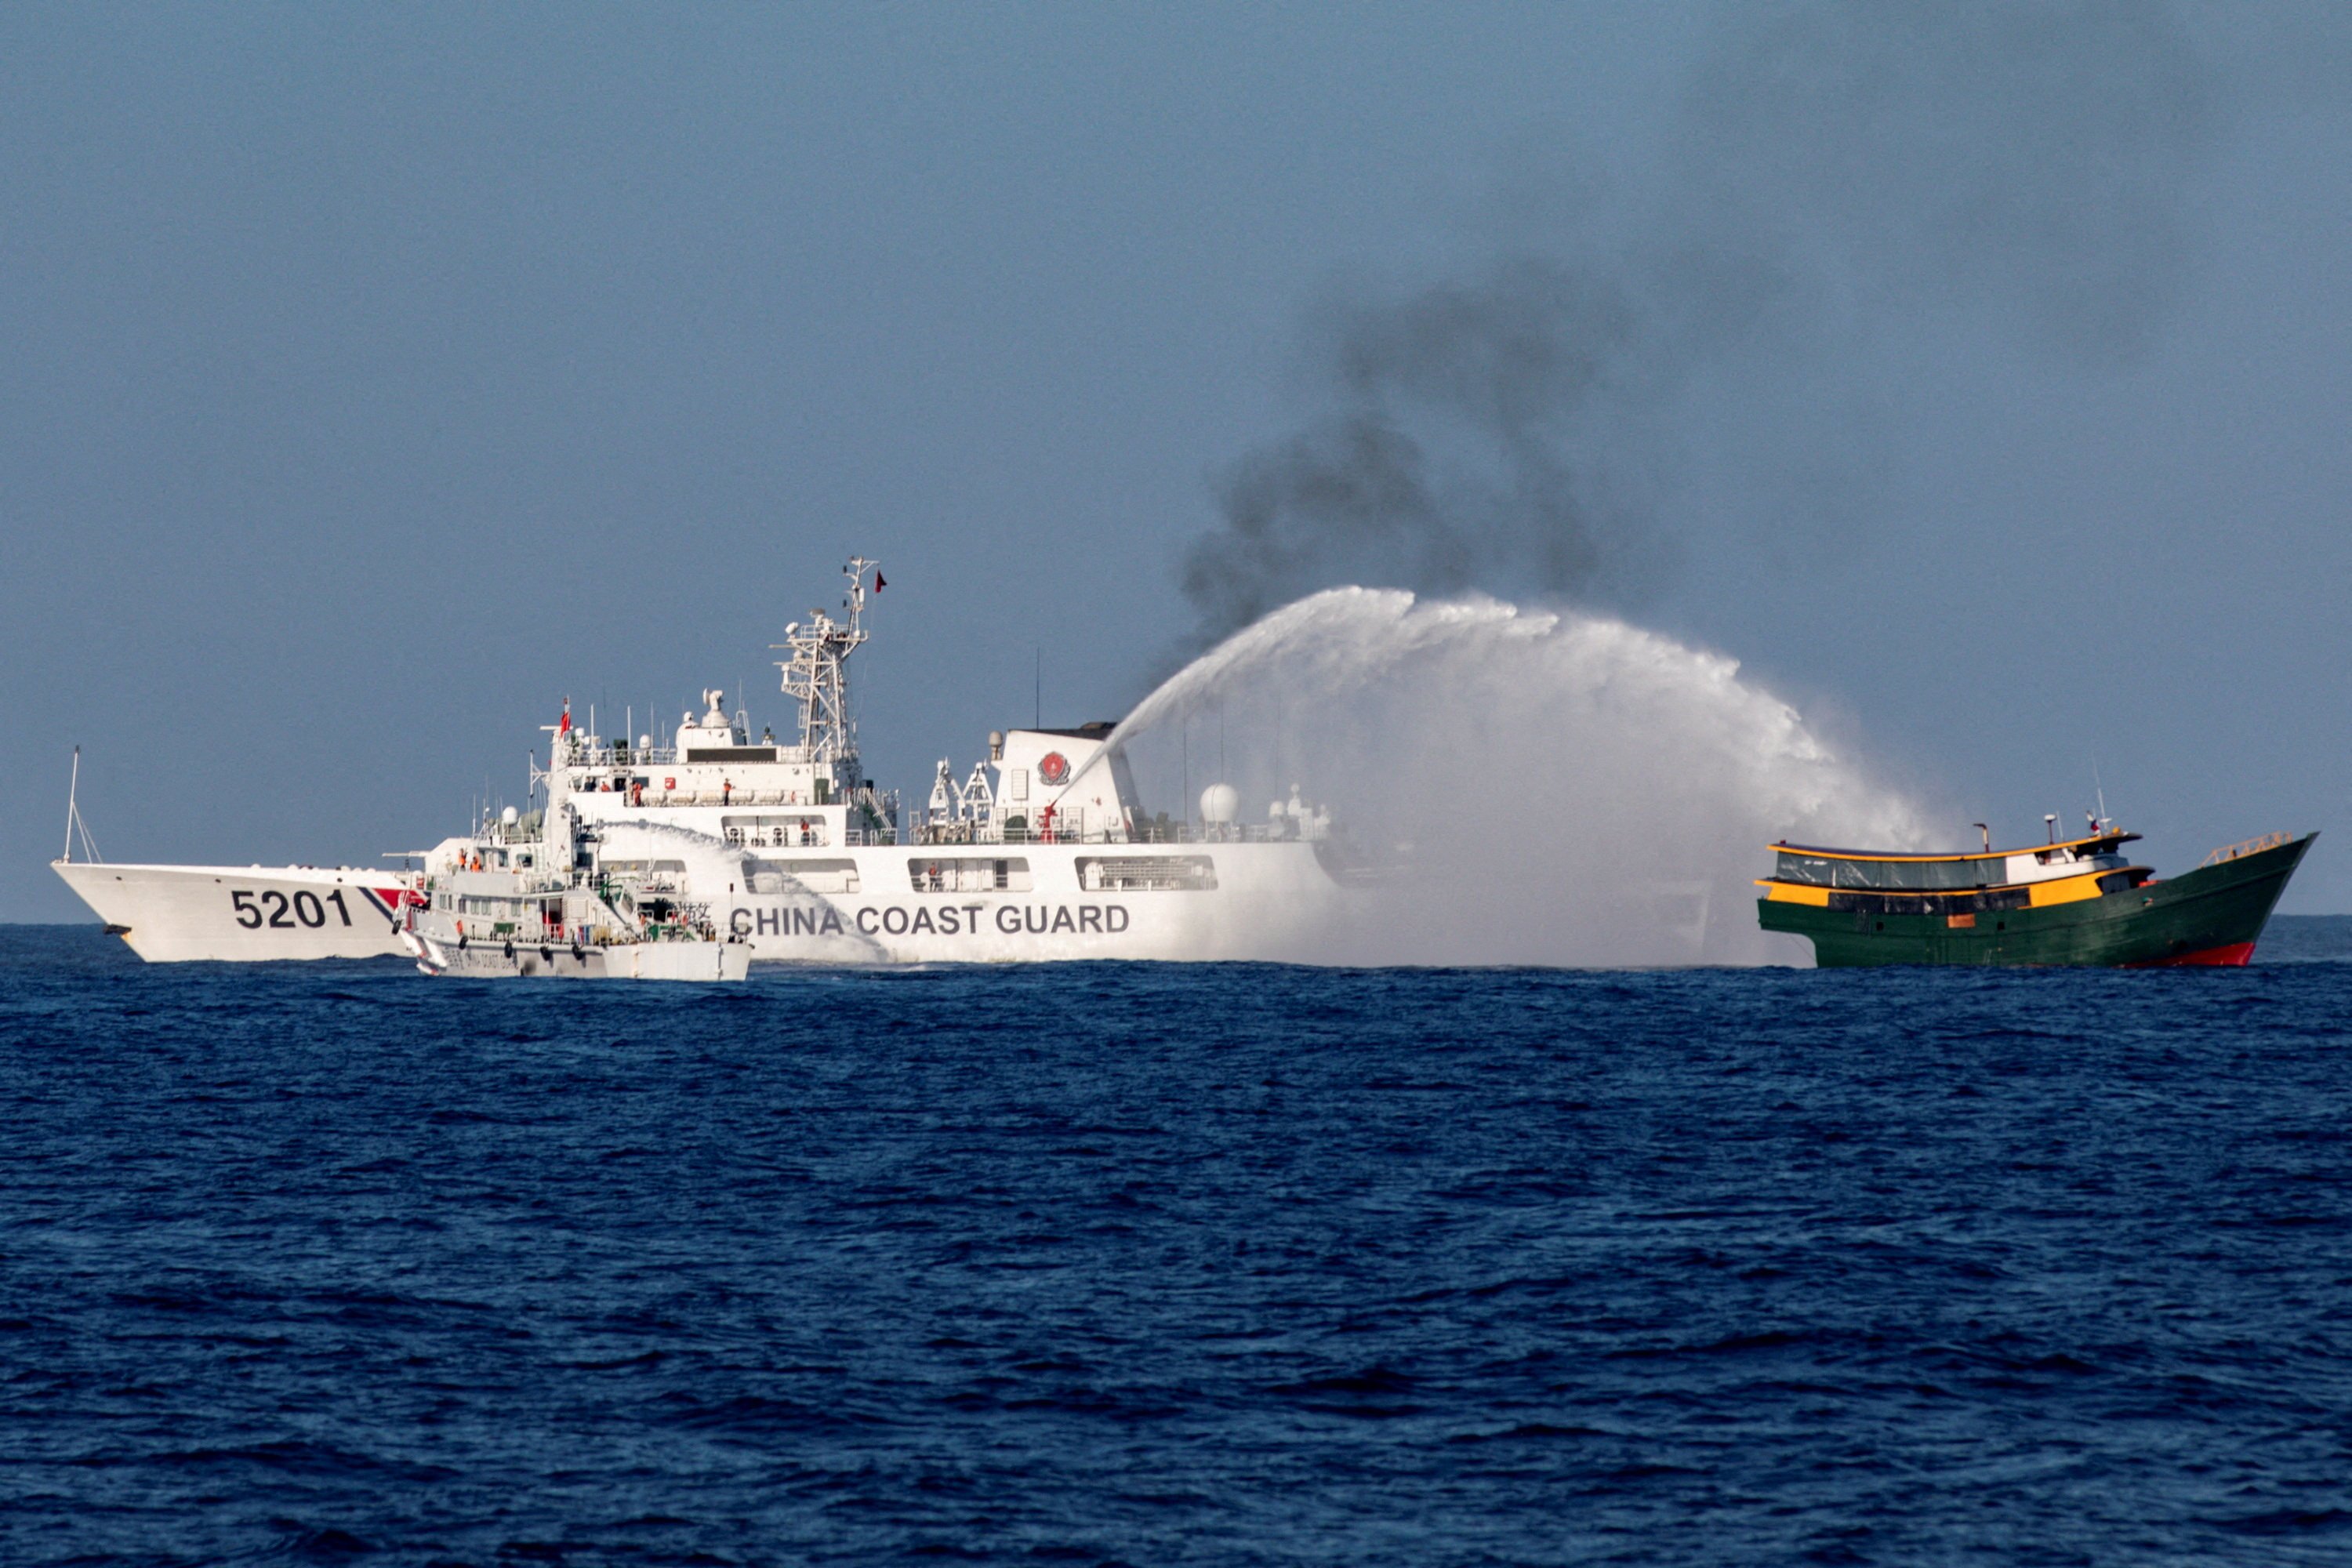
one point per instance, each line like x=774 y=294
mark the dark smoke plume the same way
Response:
x=1452 y=444
x=1838 y=170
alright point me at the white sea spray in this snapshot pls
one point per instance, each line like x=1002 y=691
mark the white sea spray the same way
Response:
x=1556 y=788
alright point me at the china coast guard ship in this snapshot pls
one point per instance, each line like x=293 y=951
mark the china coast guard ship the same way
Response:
x=686 y=859
x=786 y=850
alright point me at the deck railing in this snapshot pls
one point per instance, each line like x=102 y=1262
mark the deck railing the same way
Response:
x=2248 y=846
x=954 y=833
x=582 y=755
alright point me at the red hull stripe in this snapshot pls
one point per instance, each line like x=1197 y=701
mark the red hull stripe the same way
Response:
x=389 y=899
x=2229 y=954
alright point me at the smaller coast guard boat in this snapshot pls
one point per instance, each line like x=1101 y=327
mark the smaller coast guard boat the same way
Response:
x=506 y=903
x=2078 y=902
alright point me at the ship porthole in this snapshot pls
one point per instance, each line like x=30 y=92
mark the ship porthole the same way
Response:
x=1881 y=926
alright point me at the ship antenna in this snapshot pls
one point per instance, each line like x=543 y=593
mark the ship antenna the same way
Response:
x=1985 y=833
x=75 y=826
x=815 y=676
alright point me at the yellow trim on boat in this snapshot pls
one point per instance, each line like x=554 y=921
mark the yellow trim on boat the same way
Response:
x=2065 y=889
x=1971 y=855
x=2058 y=891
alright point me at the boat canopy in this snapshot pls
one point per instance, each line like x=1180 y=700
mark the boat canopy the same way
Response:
x=1818 y=868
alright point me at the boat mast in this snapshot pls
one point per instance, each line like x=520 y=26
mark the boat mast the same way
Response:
x=72 y=789
x=74 y=824
x=816 y=676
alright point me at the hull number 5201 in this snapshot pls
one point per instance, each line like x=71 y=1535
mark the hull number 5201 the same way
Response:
x=272 y=908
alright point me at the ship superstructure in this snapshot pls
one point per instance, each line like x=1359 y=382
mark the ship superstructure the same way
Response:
x=1041 y=851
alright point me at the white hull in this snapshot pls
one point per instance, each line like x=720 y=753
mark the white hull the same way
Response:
x=679 y=960
x=242 y=913
x=1267 y=904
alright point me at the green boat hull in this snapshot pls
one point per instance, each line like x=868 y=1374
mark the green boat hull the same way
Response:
x=2213 y=915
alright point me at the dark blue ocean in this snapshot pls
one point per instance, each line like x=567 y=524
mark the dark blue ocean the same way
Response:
x=1167 y=1265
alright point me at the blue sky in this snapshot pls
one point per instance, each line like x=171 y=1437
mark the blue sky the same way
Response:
x=373 y=378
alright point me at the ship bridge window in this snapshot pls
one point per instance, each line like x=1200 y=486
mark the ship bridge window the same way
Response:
x=1147 y=873
x=802 y=875
x=649 y=875
x=784 y=831
x=730 y=753
x=476 y=904
x=968 y=874
x=1911 y=876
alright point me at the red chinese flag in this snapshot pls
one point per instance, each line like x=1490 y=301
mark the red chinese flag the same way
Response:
x=879 y=584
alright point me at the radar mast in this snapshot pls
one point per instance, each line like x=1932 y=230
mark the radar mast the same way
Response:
x=816 y=676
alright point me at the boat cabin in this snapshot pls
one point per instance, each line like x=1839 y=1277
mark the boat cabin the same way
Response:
x=1960 y=884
